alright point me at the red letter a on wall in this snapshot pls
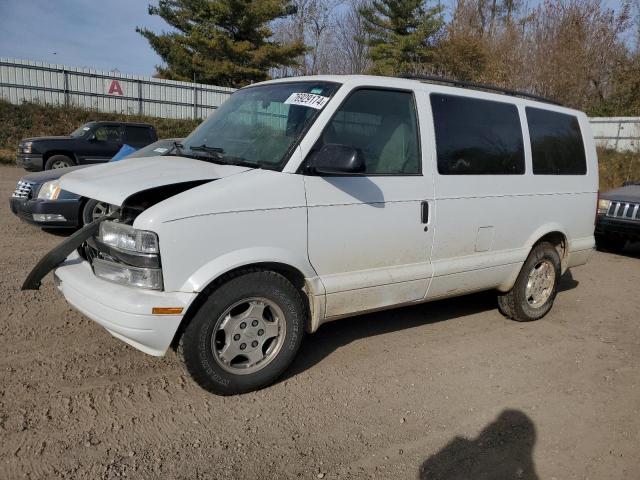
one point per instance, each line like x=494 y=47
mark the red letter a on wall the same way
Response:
x=115 y=88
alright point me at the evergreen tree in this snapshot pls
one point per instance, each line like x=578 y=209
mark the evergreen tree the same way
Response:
x=401 y=34
x=220 y=42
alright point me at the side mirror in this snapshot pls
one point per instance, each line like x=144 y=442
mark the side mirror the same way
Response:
x=335 y=159
x=92 y=138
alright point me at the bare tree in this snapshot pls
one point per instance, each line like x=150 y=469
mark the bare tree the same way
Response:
x=312 y=23
x=351 y=50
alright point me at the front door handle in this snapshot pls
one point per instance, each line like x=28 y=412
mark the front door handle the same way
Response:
x=424 y=212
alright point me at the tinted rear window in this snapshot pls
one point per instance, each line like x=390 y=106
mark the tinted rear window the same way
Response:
x=477 y=137
x=556 y=143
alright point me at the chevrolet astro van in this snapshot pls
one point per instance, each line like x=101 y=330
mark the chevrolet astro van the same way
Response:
x=305 y=200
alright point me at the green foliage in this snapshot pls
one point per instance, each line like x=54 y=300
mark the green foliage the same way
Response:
x=221 y=42
x=33 y=119
x=401 y=34
x=624 y=99
x=617 y=168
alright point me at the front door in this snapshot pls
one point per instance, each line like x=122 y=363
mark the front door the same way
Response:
x=101 y=144
x=369 y=238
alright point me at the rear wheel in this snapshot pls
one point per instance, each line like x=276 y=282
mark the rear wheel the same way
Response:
x=536 y=287
x=58 y=161
x=245 y=334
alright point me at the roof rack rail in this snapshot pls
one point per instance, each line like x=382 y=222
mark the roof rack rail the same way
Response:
x=478 y=86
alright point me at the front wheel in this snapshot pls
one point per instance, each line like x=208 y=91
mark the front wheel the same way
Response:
x=58 y=161
x=536 y=287
x=93 y=210
x=245 y=334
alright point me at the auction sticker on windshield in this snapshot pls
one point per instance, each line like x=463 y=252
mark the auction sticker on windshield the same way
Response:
x=307 y=100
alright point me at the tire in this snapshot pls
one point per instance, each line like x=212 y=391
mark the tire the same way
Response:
x=58 y=161
x=533 y=294
x=610 y=243
x=244 y=311
x=92 y=210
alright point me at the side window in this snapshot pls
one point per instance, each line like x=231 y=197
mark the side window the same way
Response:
x=138 y=135
x=108 y=134
x=556 y=143
x=383 y=125
x=477 y=137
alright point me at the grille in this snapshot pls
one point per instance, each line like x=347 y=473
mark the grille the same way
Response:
x=624 y=210
x=23 y=190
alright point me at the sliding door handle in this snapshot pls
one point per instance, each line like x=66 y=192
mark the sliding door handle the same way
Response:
x=424 y=212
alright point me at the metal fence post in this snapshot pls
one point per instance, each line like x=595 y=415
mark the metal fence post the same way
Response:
x=195 y=102
x=65 y=77
x=140 y=110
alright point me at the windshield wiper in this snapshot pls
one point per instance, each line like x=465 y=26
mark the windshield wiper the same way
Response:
x=218 y=154
x=214 y=151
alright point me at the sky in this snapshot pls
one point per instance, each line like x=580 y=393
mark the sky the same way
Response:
x=97 y=34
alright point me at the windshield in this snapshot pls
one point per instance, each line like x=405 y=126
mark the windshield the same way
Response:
x=258 y=125
x=80 y=131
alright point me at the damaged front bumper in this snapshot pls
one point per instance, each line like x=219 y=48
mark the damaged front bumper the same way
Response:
x=124 y=311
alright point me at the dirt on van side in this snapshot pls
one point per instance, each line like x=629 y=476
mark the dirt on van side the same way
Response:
x=444 y=390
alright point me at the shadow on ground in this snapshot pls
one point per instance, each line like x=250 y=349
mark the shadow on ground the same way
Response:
x=632 y=249
x=502 y=451
x=334 y=335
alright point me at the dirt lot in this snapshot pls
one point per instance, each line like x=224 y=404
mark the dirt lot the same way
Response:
x=445 y=390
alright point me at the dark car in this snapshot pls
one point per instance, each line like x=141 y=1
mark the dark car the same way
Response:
x=618 y=217
x=94 y=142
x=39 y=200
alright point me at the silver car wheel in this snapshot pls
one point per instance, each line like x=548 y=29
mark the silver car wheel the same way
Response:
x=100 y=210
x=59 y=164
x=540 y=283
x=248 y=335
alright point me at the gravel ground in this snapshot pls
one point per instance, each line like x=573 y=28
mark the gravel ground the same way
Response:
x=443 y=390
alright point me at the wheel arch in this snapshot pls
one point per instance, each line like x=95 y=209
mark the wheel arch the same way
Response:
x=311 y=289
x=553 y=234
x=561 y=243
x=50 y=153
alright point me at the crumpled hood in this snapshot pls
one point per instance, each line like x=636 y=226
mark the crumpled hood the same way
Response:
x=115 y=181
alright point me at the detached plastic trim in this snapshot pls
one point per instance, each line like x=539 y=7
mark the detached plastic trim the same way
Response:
x=56 y=256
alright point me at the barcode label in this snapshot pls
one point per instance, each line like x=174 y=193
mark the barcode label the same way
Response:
x=307 y=100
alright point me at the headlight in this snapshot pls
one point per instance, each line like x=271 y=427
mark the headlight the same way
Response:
x=49 y=190
x=124 y=237
x=603 y=206
x=134 y=258
x=127 y=275
x=26 y=147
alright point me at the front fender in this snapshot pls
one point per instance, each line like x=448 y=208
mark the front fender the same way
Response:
x=247 y=257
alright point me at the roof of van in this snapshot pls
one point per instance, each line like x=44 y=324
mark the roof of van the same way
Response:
x=399 y=82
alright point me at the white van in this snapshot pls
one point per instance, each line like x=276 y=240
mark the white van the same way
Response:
x=305 y=200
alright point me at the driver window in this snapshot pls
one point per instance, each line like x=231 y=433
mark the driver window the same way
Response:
x=382 y=124
x=107 y=134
